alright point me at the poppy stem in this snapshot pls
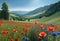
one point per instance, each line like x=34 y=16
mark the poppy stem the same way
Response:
x=54 y=38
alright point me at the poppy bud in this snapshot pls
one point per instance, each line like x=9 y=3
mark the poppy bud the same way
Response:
x=16 y=39
x=39 y=37
x=22 y=33
x=41 y=26
x=14 y=30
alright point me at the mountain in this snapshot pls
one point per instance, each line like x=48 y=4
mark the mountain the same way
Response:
x=52 y=15
x=36 y=12
x=53 y=9
x=19 y=12
x=17 y=15
x=44 y=11
x=44 y=14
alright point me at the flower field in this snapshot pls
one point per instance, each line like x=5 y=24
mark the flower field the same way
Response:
x=17 y=31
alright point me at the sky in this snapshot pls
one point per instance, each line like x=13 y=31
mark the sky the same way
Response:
x=26 y=5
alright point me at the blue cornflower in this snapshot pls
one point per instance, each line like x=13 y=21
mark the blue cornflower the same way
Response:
x=54 y=33
x=58 y=33
x=25 y=38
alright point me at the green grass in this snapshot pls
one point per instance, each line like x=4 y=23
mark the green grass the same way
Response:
x=52 y=19
x=45 y=20
x=11 y=26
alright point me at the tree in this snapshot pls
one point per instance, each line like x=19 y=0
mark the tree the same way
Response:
x=4 y=11
x=0 y=13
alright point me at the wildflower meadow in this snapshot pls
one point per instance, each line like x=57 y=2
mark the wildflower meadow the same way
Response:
x=17 y=31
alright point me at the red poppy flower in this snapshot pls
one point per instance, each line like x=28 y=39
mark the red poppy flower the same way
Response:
x=4 y=32
x=25 y=29
x=50 y=28
x=14 y=30
x=22 y=33
x=36 y=22
x=41 y=26
x=42 y=34
x=16 y=39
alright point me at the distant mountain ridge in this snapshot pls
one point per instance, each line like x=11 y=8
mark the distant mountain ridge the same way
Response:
x=53 y=9
x=38 y=10
x=19 y=12
x=44 y=11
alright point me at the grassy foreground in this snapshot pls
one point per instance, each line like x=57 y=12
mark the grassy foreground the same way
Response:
x=15 y=31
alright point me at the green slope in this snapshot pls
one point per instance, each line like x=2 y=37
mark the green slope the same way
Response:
x=34 y=15
x=52 y=15
x=53 y=8
x=52 y=19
